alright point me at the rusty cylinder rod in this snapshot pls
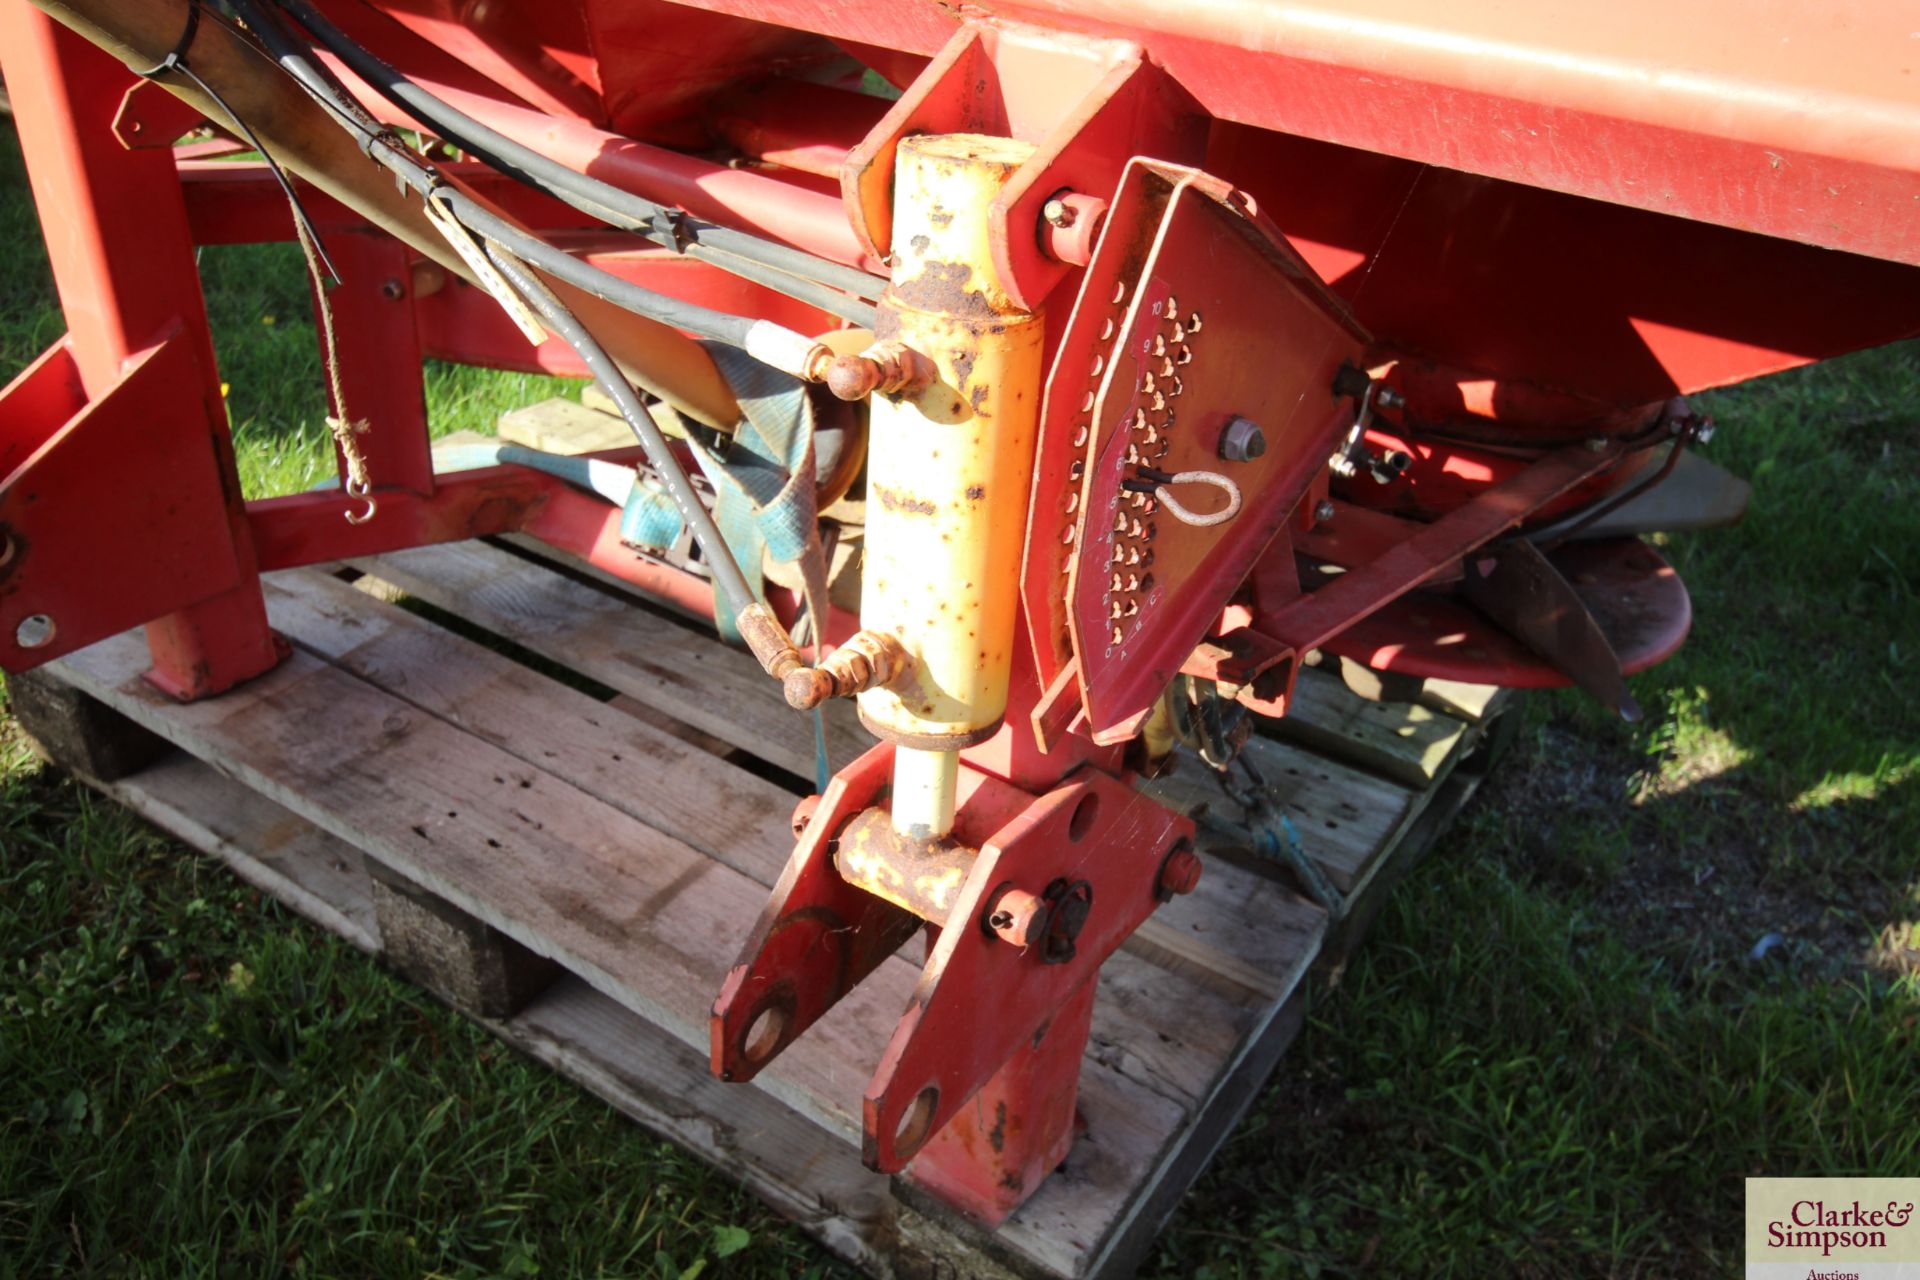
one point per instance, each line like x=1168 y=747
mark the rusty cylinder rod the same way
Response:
x=299 y=134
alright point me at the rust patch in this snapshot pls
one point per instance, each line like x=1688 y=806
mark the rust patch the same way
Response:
x=997 y=1136
x=962 y=360
x=975 y=492
x=978 y=397
x=941 y=289
x=895 y=501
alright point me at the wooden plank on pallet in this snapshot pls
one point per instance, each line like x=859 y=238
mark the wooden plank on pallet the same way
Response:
x=643 y=654
x=559 y=425
x=1344 y=815
x=1457 y=698
x=586 y=1036
x=637 y=914
x=1238 y=934
x=320 y=877
x=779 y=1153
x=1408 y=743
x=727 y=814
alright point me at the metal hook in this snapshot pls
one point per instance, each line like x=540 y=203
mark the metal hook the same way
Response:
x=364 y=493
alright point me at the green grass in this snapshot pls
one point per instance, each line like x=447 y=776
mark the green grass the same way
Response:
x=1553 y=1056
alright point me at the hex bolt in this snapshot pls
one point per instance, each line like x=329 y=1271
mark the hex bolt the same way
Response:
x=1058 y=212
x=1241 y=440
x=1323 y=511
x=392 y=290
x=1388 y=398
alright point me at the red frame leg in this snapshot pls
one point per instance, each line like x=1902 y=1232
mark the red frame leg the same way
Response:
x=123 y=261
x=1018 y=1128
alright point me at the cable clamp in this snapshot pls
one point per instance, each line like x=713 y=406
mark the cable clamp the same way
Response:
x=669 y=228
x=176 y=61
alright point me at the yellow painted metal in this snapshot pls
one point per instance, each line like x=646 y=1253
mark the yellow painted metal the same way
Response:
x=924 y=786
x=948 y=470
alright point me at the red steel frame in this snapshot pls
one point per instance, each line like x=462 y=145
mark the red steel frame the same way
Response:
x=1441 y=168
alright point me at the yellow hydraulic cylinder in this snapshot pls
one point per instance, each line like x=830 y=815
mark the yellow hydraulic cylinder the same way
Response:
x=948 y=472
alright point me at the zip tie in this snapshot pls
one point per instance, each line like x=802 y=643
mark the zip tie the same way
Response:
x=489 y=275
x=1199 y=521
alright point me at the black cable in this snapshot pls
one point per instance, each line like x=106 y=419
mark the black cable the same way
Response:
x=727 y=574
x=177 y=61
x=590 y=195
x=1617 y=501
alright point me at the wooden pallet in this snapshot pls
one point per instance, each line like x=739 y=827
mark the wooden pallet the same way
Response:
x=568 y=830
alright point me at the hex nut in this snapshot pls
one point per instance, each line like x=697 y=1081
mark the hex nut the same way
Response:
x=1241 y=440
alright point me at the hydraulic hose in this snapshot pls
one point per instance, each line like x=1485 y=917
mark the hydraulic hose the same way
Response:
x=600 y=199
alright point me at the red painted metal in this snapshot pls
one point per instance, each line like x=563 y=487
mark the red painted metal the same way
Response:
x=167 y=541
x=312 y=528
x=1093 y=828
x=1633 y=593
x=1265 y=657
x=816 y=939
x=1193 y=313
x=801 y=211
x=1088 y=106
x=124 y=267
x=1018 y=1127
x=1717 y=119
x=819 y=936
x=378 y=354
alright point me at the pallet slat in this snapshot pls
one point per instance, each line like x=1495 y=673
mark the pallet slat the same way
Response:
x=644 y=655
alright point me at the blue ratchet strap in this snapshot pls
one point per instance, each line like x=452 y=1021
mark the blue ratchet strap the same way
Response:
x=1277 y=839
x=1274 y=837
